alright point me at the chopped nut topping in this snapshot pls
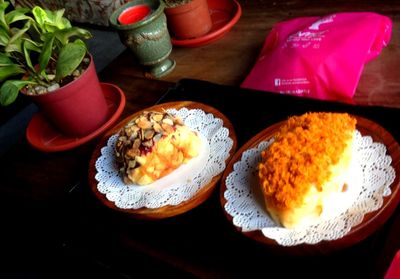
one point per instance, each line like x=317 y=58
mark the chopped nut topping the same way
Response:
x=139 y=136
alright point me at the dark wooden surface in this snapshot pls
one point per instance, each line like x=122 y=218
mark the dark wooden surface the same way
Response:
x=229 y=60
x=54 y=227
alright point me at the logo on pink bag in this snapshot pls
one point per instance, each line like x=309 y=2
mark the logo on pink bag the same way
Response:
x=286 y=86
x=328 y=19
x=310 y=37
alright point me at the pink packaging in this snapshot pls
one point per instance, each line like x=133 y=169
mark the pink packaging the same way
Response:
x=394 y=269
x=319 y=57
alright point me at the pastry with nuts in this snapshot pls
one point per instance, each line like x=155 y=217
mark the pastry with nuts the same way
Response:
x=307 y=163
x=152 y=145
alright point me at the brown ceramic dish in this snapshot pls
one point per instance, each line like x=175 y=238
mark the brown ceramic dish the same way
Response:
x=371 y=222
x=169 y=210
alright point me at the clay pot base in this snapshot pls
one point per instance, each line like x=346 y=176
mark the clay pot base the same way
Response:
x=44 y=137
x=224 y=15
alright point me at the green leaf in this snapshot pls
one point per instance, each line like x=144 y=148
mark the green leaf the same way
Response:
x=3 y=22
x=5 y=60
x=59 y=20
x=4 y=37
x=32 y=45
x=9 y=90
x=27 y=56
x=65 y=23
x=17 y=15
x=14 y=44
x=50 y=21
x=46 y=52
x=40 y=15
x=10 y=70
x=71 y=55
x=28 y=45
x=80 y=42
x=64 y=35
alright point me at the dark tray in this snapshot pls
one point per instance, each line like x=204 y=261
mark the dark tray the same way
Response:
x=202 y=243
x=251 y=111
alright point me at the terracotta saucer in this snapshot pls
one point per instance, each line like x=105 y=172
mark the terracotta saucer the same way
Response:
x=44 y=137
x=224 y=15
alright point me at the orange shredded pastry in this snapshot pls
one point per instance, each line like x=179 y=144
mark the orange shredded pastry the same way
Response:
x=301 y=154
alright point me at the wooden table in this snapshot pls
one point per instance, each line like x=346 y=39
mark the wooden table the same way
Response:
x=53 y=225
x=229 y=60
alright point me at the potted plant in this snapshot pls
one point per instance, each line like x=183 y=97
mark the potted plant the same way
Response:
x=188 y=19
x=45 y=58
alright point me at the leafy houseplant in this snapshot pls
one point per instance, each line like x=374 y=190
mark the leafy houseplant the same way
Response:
x=42 y=54
x=188 y=19
x=42 y=39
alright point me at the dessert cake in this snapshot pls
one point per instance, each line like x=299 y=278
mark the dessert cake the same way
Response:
x=308 y=160
x=152 y=145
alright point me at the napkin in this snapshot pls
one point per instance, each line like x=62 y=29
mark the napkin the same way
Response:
x=319 y=57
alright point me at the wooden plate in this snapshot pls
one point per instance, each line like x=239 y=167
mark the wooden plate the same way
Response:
x=371 y=222
x=169 y=210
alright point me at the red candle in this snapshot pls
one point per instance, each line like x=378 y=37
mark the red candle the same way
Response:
x=134 y=14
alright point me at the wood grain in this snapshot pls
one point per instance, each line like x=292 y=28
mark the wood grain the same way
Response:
x=371 y=222
x=169 y=210
x=229 y=60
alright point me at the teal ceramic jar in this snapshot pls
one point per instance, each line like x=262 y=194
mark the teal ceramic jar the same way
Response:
x=148 y=38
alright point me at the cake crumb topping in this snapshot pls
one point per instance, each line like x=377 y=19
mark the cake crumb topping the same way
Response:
x=301 y=155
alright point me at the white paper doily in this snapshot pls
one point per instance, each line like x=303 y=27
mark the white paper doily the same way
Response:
x=245 y=203
x=180 y=185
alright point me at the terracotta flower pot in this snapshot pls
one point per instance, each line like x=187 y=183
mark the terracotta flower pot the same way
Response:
x=78 y=108
x=189 y=20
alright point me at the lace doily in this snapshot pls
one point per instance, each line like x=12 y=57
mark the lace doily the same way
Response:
x=369 y=183
x=182 y=184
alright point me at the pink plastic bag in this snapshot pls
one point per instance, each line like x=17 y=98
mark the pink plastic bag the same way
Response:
x=319 y=57
x=394 y=269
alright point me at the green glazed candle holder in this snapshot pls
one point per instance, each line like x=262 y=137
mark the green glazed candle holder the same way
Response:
x=148 y=38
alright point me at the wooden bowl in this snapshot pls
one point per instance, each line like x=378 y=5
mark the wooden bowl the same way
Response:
x=169 y=210
x=371 y=221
